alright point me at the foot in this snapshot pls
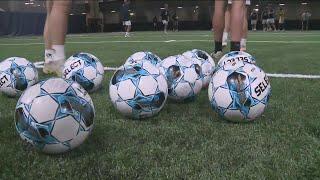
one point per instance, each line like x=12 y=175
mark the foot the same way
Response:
x=243 y=49
x=216 y=56
x=54 y=67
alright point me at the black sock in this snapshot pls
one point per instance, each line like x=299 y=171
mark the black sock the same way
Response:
x=235 y=46
x=217 y=46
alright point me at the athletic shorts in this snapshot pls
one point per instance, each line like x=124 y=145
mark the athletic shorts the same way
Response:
x=253 y=22
x=248 y=2
x=126 y=23
x=264 y=21
x=164 y=22
x=270 y=21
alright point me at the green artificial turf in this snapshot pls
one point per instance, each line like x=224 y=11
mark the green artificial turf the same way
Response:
x=186 y=140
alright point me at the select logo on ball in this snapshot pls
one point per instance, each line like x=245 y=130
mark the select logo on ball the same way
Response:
x=262 y=86
x=73 y=66
x=3 y=80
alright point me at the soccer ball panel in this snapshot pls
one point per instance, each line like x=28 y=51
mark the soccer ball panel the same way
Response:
x=21 y=61
x=220 y=78
x=197 y=86
x=163 y=86
x=44 y=109
x=148 y=85
x=55 y=148
x=234 y=115
x=222 y=97
x=113 y=93
x=256 y=111
x=150 y=68
x=124 y=108
x=55 y=85
x=6 y=64
x=190 y=75
x=30 y=94
x=261 y=88
x=79 y=139
x=126 y=89
x=89 y=72
x=183 y=90
x=169 y=61
x=65 y=129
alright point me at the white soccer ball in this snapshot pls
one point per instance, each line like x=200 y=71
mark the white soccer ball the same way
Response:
x=142 y=56
x=85 y=69
x=205 y=61
x=139 y=90
x=16 y=75
x=183 y=76
x=239 y=91
x=236 y=56
x=55 y=115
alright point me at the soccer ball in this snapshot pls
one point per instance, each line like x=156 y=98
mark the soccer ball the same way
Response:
x=16 y=75
x=183 y=76
x=205 y=61
x=85 y=69
x=235 y=56
x=55 y=115
x=239 y=91
x=138 y=90
x=142 y=56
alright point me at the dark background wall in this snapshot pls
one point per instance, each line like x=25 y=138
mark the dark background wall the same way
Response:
x=21 y=18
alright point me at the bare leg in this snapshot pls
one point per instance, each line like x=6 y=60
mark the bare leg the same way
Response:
x=218 y=25
x=226 y=26
x=243 y=41
x=237 y=13
x=46 y=33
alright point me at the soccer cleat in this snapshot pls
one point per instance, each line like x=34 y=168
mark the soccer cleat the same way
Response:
x=216 y=56
x=52 y=66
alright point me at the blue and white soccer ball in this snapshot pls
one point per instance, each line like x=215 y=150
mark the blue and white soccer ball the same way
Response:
x=85 y=69
x=205 y=61
x=236 y=56
x=138 y=90
x=239 y=91
x=55 y=115
x=183 y=76
x=142 y=56
x=16 y=75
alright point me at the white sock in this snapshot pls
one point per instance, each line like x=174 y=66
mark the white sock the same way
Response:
x=225 y=36
x=59 y=52
x=243 y=42
x=47 y=54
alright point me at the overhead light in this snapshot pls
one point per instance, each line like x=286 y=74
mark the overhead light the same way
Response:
x=162 y=8
x=113 y=11
x=26 y=3
x=197 y=7
x=304 y=3
x=282 y=4
x=38 y=5
x=257 y=5
x=71 y=14
x=131 y=14
x=256 y=9
x=179 y=7
x=84 y=13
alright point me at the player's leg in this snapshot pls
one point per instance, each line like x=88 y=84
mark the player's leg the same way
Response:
x=243 y=42
x=236 y=24
x=47 y=41
x=218 y=26
x=226 y=26
x=58 y=21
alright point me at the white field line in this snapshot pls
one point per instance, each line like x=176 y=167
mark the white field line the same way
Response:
x=39 y=65
x=168 y=41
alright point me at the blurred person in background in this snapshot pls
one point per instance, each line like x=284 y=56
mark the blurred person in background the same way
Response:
x=125 y=15
x=175 y=20
x=264 y=19
x=155 y=23
x=281 y=18
x=236 y=25
x=54 y=35
x=305 y=17
x=165 y=17
x=254 y=19
x=271 y=19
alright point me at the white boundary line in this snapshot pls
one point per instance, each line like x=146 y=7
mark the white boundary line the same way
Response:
x=39 y=65
x=167 y=41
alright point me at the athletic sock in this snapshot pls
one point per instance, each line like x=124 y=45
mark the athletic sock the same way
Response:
x=48 y=53
x=217 y=46
x=243 y=42
x=59 y=52
x=234 y=46
x=225 y=37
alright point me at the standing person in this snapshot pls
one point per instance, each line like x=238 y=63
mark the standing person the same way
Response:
x=236 y=24
x=264 y=19
x=126 y=17
x=254 y=20
x=243 y=42
x=165 y=18
x=155 y=23
x=54 y=35
x=281 y=16
x=175 y=19
x=271 y=19
x=305 y=17
x=226 y=29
